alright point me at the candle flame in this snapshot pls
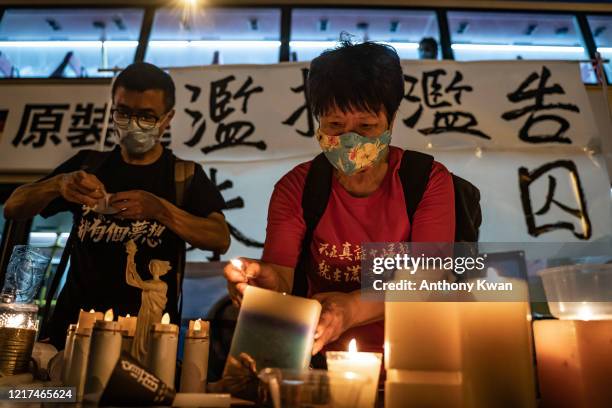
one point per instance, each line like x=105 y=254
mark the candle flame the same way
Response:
x=127 y=315
x=165 y=318
x=197 y=326
x=108 y=315
x=15 y=321
x=585 y=313
x=352 y=346
x=237 y=263
x=92 y=311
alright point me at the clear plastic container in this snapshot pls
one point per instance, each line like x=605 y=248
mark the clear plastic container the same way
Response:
x=579 y=292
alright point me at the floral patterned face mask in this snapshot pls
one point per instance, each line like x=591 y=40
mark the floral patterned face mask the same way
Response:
x=350 y=152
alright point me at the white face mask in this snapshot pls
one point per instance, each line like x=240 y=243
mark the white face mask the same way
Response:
x=136 y=140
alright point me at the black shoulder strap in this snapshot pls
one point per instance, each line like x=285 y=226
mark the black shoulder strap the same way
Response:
x=315 y=196
x=414 y=174
x=316 y=191
x=184 y=171
x=183 y=174
x=91 y=164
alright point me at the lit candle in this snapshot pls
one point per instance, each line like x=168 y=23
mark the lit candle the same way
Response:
x=104 y=352
x=575 y=360
x=87 y=319
x=275 y=329
x=195 y=357
x=18 y=327
x=366 y=365
x=497 y=334
x=423 y=354
x=78 y=365
x=128 y=329
x=163 y=343
x=69 y=345
x=80 y=351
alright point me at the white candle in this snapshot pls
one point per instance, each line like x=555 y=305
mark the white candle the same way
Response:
x=87 y=319
x=69 y=345
x=363 y=364
x=78 y=364
x=497 y=347
x=195 y=357
x=163 y=344
x=574 y=362
x=275 y=329
x=423 y=354
x=128 y=329
x=80 y=351
x=104 y=352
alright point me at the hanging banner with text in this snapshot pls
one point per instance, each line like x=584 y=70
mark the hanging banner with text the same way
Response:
x=249 y=124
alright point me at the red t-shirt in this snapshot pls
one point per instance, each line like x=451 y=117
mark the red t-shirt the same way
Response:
x=350 y=221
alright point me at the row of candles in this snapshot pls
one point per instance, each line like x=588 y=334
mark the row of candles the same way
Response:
x=94 y=344
x=480 y=354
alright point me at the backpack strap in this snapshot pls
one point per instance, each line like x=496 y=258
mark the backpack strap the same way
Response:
x=92 y=162
x=184 y=171
x=315 y=196
x=183 y=175
x=414 y=174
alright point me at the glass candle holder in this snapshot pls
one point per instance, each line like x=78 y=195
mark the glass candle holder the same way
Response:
x=18 y=327
x=286 y=388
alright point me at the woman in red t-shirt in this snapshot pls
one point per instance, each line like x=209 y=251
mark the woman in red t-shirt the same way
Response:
x=354 y=91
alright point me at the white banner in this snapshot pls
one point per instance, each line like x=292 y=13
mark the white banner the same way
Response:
x=249 y=124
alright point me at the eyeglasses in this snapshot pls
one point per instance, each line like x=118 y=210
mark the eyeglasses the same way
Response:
x=144 y=121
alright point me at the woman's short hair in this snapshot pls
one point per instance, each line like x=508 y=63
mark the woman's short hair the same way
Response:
x=365 y=77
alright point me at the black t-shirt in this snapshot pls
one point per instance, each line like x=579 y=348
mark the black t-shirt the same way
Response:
x=96 y=278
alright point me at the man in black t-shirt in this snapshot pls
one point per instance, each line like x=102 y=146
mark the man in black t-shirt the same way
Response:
x=129 y=195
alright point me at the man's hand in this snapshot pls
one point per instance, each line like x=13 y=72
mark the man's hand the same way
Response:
x=336 y=317
x=251 y=272
x=137 y=205
x=81 y=188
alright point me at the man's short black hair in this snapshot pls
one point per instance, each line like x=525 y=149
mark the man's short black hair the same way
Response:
x=142 y=76
x=365 y=77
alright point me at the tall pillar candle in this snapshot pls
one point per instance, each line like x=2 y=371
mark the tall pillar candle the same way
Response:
x=163 y=344
x=423 y=350
x=195 y=357
x=128 y=329
x=574 y=363
x=67 y=357
x=275 y=329
x=497 y=347
x=78 y=364
x=104 y=352
x=80 y=351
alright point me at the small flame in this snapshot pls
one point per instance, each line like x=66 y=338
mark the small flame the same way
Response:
x=197 y=326
x=166 y=318
x=16 y=321
x=353 y=346
x=585 y=313
x=92 y=311
x=108 y=315
x=237 y=263
x=128 y=315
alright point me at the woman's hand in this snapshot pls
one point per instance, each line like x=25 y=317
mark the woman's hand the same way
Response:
x=336 y=317
x=248 y=272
